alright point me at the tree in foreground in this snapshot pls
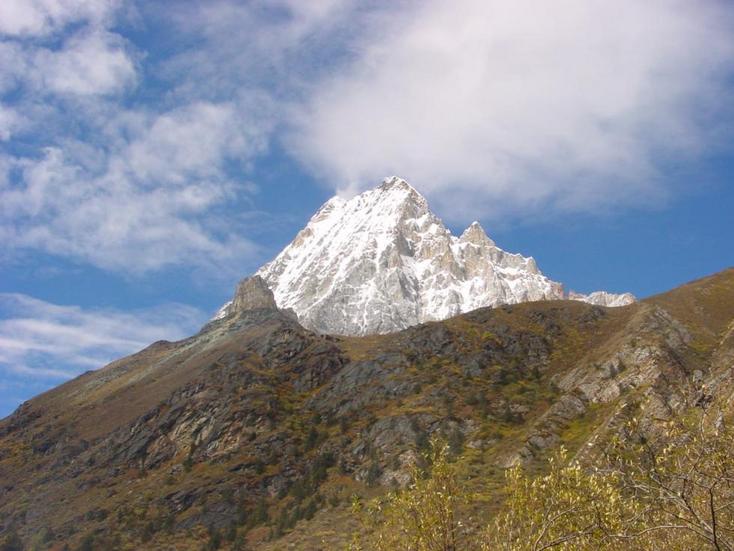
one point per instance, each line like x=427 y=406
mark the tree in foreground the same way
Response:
x=421 y=517
x=685 y=480
x=668 y=487
x=658 y=486
x=568 y=508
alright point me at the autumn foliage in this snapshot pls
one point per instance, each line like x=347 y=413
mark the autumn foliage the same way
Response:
x=673 y=490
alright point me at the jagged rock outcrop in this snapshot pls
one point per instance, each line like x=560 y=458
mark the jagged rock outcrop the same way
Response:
x=253 y=293
x=382 y=261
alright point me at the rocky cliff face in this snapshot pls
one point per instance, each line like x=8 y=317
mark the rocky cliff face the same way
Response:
x=253 y=294
x=382 y=261
x=262 y=429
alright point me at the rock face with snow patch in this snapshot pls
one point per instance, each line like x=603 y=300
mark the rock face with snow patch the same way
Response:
x=382 y=261
x=602 y=298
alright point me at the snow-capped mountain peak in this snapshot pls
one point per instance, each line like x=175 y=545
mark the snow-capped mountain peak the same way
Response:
x=382 y=261
x=476 y=235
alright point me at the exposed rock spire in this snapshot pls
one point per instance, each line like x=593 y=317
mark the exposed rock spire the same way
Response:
x=253 y=294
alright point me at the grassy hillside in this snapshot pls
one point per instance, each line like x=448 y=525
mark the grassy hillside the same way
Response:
x=258 y=434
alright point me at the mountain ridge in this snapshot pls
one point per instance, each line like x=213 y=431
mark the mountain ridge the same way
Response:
x=258 y=427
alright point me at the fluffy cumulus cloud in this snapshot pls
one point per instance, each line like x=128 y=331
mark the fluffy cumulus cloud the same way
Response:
x=513 y=107
x=41 y=339
x=41 y=57
x=134 y=158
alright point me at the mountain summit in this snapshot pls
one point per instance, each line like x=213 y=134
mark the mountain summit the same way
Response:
x=382 y=261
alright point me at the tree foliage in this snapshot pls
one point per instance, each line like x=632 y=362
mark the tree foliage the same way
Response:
x=668 y=486
x=422 y=517
x=684 y=479
x=568 y=508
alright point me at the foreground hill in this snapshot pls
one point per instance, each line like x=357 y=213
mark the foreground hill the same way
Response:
x=257 y=431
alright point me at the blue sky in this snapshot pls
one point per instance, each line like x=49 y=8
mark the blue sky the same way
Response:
x=153 y=153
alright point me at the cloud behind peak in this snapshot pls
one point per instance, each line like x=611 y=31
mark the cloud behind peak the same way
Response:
x=570 y=105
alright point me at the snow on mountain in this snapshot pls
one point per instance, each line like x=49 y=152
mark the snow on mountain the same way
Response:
x=602 y=298
x=382 y=261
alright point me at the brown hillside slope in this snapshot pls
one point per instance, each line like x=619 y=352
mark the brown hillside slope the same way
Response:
x=256 y=428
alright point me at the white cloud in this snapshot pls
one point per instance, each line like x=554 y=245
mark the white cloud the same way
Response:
x=83 y=59
x=13 y=65
x=42 y=339
x=25 y=18
x=192 y=140
x=131 y=189
x=490 y=107
x=273 y=46
x=10 y=122
x=136 y=189
x=149 y=200
x=496 y=107
x=92 y=62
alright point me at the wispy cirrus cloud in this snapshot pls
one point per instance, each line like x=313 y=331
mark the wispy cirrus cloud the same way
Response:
x=275 y=47
x=39 y=339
